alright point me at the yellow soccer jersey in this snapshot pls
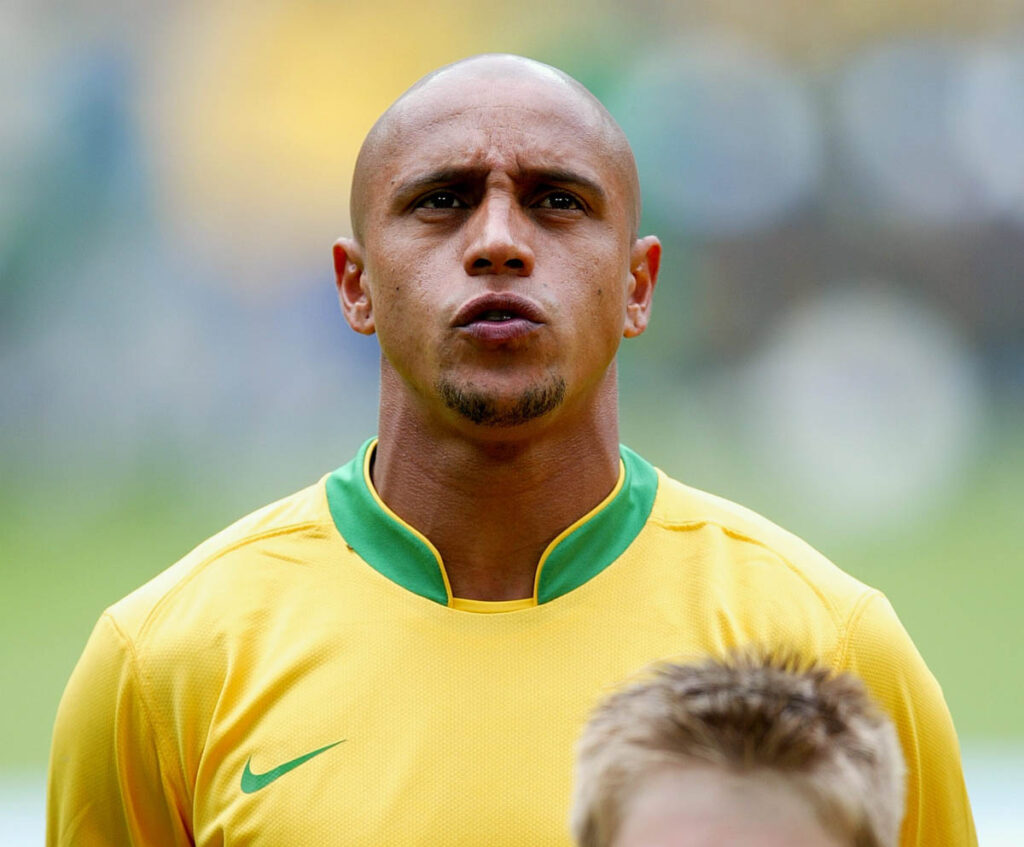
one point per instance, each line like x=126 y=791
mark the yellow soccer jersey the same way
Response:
x=306 y=678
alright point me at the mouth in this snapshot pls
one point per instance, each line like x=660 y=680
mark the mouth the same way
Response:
x=495 y=308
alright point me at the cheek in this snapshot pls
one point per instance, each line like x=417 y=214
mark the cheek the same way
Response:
x=410 y=278
x=603 y=301
x=396 y=291
x=408 y=318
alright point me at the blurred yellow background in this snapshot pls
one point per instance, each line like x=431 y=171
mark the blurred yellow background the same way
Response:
x=838 y=337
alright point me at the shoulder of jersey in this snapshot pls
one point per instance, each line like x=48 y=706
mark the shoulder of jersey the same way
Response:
x=301 y=512
x=681 y=506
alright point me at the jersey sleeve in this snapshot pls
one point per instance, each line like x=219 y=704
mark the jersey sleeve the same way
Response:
x=107 y=780
x=880 y=652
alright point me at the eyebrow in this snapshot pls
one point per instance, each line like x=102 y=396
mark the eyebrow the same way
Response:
x=463 y=176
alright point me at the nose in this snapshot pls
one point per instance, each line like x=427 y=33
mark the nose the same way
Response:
x=498 y=239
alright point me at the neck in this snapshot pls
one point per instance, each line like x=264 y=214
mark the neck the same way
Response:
x=492 y=504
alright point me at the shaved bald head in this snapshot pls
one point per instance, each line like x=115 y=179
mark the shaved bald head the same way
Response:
x=470 y=84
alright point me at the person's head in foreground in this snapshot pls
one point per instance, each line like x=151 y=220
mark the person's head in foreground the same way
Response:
x=752 y=751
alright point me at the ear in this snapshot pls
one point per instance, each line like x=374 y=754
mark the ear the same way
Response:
x=353 y=291
x=644 y=261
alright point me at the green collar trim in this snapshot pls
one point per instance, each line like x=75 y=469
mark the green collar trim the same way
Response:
x=381 y=538
x=405 y=556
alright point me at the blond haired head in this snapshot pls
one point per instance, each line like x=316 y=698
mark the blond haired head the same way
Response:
x=751 y=732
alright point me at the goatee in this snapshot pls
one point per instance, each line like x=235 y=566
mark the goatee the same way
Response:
x=482 y=408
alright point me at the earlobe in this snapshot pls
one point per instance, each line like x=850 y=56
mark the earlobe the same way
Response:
x=645 y=261
x=353 y=290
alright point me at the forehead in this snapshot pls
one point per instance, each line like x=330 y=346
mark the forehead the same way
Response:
x=513 y=126
x=705 y=806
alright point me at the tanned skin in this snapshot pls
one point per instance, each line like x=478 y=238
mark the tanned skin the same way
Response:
x=495 y=255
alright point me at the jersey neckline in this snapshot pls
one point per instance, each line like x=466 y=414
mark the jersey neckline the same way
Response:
x=405 y=556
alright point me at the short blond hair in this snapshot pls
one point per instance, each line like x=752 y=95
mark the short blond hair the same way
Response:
x=751 y=713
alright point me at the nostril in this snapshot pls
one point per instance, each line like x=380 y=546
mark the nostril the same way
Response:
x=482 y=263
x=516 y=264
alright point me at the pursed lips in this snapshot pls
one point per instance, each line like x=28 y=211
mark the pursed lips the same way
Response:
x=498 y=318
x=498 y=308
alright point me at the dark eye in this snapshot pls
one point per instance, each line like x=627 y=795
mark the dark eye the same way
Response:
x=441 y=200
x=561 y=200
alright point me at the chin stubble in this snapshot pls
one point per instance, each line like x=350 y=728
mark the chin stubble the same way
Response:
x=481 y=408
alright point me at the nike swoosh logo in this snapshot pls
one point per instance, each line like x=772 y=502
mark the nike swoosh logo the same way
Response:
x=252 y=782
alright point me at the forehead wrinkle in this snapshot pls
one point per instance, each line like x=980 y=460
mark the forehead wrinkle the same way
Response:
x=495 y=148
x=495 y=132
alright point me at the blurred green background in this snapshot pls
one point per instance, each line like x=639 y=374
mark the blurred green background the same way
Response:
x=838 y=337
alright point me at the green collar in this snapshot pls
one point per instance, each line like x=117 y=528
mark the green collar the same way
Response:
x=405 y=556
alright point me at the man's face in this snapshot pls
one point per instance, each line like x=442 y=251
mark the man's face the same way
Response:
x=498 y=251
x=709 y=807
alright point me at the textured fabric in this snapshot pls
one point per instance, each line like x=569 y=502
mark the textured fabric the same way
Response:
x=274 y=639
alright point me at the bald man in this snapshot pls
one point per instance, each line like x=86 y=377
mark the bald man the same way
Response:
x=404 y=652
